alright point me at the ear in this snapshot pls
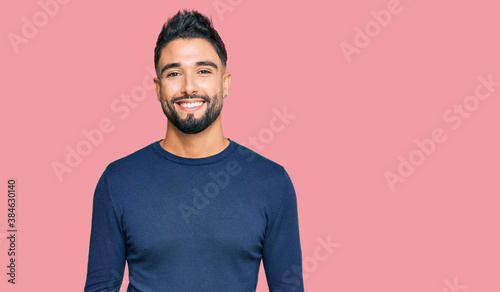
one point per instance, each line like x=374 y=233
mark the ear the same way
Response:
x=157 y=88
x=226 y=82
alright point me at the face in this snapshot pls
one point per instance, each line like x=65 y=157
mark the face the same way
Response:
x=191 y=84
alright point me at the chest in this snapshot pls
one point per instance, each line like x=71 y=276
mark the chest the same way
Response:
x=193 y=219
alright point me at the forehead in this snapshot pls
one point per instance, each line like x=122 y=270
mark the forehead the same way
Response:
x=188 y=51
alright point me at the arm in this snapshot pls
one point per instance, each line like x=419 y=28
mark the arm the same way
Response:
x=107 y=243
x=282 y=256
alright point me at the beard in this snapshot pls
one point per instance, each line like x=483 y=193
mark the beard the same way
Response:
x=191 y=125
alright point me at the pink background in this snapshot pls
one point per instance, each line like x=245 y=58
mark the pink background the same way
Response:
x=356 y=117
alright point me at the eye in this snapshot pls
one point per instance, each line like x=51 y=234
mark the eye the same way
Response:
x=173 y=74
x=205 y=72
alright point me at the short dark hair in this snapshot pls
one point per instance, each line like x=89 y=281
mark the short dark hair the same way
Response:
x=187 y=25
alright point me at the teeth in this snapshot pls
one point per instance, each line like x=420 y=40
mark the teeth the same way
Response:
x=191 y=104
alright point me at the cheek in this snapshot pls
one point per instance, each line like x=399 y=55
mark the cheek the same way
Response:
x=169 y=91
x=210 y=85
x=205 y=84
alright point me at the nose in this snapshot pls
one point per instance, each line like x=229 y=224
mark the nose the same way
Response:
x=189 y=85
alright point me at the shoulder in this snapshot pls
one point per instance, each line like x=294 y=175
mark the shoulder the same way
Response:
x=262 y=169
x=138 y=161
x=266 y=180
x=255 y=159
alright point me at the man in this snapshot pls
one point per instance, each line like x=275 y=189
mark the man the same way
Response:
x=194 y=211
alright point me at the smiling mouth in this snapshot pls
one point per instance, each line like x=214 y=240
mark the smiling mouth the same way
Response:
x=190 y=104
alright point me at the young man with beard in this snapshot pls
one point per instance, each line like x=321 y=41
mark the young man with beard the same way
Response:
x=194 y=211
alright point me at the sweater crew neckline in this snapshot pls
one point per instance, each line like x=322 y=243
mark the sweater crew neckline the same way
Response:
x=194 y=161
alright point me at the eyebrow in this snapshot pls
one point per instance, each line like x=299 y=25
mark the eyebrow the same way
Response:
x=207 y=63
x=199 y=63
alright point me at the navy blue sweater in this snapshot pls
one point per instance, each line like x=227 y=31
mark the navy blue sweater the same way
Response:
x=194 y=224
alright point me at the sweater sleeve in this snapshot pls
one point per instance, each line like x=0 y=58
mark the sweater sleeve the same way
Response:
x=107 y=251
x=282 y=256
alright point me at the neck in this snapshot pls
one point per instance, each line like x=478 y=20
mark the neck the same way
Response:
x=206 y=143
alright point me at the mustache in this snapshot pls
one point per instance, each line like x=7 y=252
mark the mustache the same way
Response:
x=192 y=96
